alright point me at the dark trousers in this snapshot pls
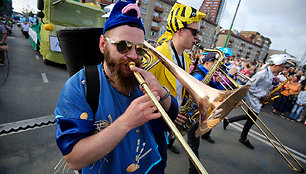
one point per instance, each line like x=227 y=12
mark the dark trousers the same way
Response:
x=194 y=143
x=207 y=134
x=282 y=104
x=248 y=124
x=2 y=56
x=171 y=138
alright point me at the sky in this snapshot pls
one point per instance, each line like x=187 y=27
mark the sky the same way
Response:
x=279 y=20
x=282 y=21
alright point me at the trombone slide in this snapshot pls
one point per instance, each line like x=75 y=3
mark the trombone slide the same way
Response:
x=169 y=122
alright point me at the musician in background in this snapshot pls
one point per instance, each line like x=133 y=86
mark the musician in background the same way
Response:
x=182 y=33
x=199 y=73
x=259 y=88
x=119 y=138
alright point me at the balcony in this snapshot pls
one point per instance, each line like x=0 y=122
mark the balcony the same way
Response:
x=155 y=28
x=231 y=40
x=159 y=9
x=250 y=48
x=157 y=19
x=248 y=53
x=240 y=50
x=202 y=26
x=243 y=44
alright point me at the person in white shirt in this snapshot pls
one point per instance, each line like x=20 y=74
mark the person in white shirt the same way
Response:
x=259 y=88
x=25 y=29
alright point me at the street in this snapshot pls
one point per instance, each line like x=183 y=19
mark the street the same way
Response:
x=29 y=91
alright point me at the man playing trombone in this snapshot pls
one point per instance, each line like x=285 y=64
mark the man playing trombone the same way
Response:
x=119 y=138
x=260 y=86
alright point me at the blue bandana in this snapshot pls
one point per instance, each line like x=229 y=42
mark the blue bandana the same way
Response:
x=125 y=12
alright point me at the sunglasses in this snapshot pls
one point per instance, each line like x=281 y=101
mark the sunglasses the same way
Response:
x=124 y=46
x=193 y=31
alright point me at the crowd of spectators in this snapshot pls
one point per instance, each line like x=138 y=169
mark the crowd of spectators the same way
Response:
x=288 y=102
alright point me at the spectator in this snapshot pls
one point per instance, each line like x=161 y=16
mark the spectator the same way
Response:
x=3 y=47
x=25 y=29
x=291 y=88
x=299 y=105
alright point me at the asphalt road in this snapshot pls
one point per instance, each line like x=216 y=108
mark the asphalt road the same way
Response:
x=29 y=91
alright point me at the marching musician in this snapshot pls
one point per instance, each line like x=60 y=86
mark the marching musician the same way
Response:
x=259 y=88
x=181 y=34
x=199 y=73
x=119 y=138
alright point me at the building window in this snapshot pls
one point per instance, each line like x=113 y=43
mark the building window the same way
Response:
x=155 y=14
x=158 y=4
x=165 y=18
x=154 y=24
x=167 y=9
x=145 y=1
x=162 y=30
x=143 y=11
x=153 y=33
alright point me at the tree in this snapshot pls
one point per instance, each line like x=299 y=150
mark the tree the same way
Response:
x=27 y=11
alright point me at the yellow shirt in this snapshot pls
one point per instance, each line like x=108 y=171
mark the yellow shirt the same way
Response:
x=162 y=74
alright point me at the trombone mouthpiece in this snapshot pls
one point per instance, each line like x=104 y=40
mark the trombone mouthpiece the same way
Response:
x=197 y=44
x=132 y=64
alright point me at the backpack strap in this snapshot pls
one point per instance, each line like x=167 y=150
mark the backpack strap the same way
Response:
x=92 y=89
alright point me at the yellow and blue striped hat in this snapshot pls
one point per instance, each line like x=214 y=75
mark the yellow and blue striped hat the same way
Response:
x=179 y=17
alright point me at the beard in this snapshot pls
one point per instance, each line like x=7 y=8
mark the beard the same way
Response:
x=123 y=81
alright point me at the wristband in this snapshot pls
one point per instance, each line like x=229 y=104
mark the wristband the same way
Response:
x=166 y=96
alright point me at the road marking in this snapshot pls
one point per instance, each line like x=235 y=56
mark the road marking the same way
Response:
x=258 y=136
x=44 y=77
x=37 y=57
x=11 y=37
x=25 y=125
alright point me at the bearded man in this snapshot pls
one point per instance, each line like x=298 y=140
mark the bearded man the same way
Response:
x=118 y=138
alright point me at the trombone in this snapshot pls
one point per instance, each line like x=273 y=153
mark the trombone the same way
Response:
x=286 y=159
x=204 y=96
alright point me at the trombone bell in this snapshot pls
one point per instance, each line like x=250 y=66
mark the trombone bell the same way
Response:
x=225 y=100
x=206 y=98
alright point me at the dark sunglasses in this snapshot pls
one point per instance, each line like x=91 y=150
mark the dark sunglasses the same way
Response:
x=123 y=46
x=193 y=31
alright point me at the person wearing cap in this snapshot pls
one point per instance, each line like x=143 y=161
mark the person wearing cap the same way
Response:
x=259 y=88
x=120 y=137
x=199 y=73
x=181 y=34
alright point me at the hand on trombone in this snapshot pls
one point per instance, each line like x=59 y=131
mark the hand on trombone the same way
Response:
x=238 y=104
x=267 y=97
x=142 y=109
x=180 y=119
x=233 y=71
x=152 y=82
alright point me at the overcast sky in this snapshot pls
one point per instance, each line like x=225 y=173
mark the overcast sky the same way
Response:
x=280 y=20
x=283 y=21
